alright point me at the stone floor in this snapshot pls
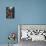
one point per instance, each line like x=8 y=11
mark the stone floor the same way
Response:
x=34 y=43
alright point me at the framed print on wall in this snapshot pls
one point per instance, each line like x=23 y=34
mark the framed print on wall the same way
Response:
x=10 y=12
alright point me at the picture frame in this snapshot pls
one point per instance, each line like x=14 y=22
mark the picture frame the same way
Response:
x=10 y=12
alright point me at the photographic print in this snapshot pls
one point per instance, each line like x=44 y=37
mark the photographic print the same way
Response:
x=31 y=33
x=10 y=12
